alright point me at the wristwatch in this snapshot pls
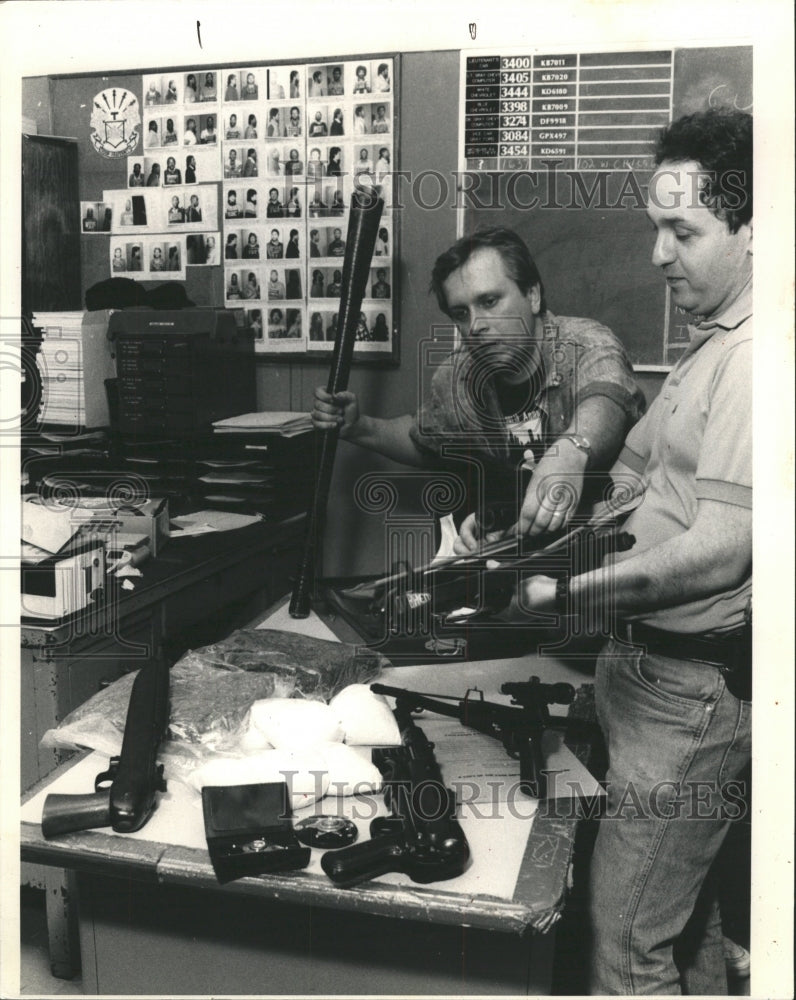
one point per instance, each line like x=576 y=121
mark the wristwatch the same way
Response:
x=561 y=603
x=579 y=441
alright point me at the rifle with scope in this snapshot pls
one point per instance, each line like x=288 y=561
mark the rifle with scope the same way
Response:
x=519 y=726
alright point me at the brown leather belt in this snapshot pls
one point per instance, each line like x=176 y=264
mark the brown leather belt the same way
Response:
x=731 y=654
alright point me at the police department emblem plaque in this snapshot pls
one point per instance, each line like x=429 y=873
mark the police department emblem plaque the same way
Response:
x=115 y=122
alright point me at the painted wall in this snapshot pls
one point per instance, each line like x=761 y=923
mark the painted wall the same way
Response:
x=37 y=103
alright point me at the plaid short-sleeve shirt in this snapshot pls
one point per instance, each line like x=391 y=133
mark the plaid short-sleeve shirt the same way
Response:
x=578 y=358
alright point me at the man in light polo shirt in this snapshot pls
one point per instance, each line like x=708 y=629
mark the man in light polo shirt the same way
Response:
x=673 y=687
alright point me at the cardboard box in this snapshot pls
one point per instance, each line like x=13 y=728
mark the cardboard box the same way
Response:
x=50 y=525
x=149 y=517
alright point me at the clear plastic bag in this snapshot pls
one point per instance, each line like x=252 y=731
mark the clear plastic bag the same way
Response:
x=212 y=689
x=318 y=668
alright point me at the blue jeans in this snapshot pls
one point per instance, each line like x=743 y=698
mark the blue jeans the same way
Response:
x=677 y=741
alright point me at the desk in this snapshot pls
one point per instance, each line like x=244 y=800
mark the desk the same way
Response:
x=153 y=919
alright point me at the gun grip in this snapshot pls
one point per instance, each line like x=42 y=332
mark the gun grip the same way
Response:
x=351 y=865
x=533 y=779
x=496 y=516
x=68 y=813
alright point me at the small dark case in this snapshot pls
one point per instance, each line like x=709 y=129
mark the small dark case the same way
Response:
x=249 y=830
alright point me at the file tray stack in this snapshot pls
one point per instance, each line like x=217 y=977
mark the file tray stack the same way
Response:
x=263 y=472
x=261 y=456
x=180 y=370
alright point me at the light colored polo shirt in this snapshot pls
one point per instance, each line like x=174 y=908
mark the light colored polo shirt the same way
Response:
x=695 y=443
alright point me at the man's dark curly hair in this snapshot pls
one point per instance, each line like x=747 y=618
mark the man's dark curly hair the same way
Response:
x=720 y=141
x=517 y=260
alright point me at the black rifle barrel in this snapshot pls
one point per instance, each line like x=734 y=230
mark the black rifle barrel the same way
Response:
x=363 y=227
x=415 y=700
x=139 y=776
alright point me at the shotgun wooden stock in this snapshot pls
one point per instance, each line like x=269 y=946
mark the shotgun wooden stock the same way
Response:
x=363 y=227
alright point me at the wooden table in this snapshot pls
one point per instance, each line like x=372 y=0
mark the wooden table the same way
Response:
x=154 y=920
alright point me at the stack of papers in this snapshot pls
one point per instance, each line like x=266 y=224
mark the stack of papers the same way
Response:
x=86 y=438
x=204 y=521
x=237 y=476
x=60 y=363
x=285 y=423
x=59 y=324
x=74 y=360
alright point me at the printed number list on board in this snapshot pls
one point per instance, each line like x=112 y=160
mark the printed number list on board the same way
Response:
x=587 y=111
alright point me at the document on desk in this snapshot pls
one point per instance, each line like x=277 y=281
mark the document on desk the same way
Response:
x=46 y=527
x=481 y=771
x=203 y=521
x=236 y=476
x=311 y=626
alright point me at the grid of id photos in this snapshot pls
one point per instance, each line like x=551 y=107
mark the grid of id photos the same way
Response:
x=295 y=143
x=148 y=258
x=170 y=209
x=252 y=169
x=157 y=168
x=145 y=225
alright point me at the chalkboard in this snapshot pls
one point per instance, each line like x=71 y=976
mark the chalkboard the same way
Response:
x=594 y=261
x=717 y=77
x=587 y=229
